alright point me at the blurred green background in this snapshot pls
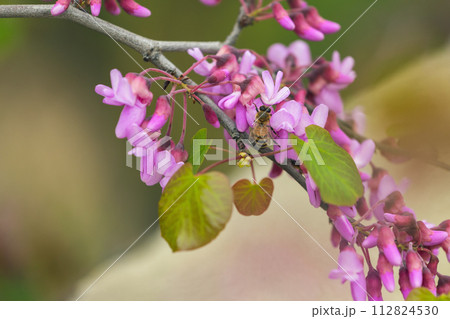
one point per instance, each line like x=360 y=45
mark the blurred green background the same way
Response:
x=67 y=200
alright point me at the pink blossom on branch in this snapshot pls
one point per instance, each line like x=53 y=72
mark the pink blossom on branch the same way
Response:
x=129 y=6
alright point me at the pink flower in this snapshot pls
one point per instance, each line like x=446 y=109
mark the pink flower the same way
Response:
x=298 y=51
x=129 y=6
x=319 y=23
x=287 y=117
x=305 y=31
x=362 y=152
x=204 y=68
x=343 y=69
x=318 y=117
x=273 y=94
x=282 y=16
x=121 y=93
x=351 y=268
x=340 y=222
x=373 y=284
x=156 y=166
x=210 y=2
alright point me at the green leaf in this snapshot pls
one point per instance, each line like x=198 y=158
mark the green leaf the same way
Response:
x=200 y=146
x=252 y=199
x=423 y=294
x=331 y=167
x=194 y=209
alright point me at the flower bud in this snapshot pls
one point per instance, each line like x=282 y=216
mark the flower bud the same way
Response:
x=218 y=76
x=60 y=6
x=210 y=116
x=112 y=7
x=401 y=220
x=387 y=245
x=403 y=281
x=275 y=171
x=340 y=221
x=96 y=5
x=335 y=237
x=431 y=237
x=386 y=272
x=428 y=281
x=282 y=16
x=179 y=153
x=443 y=286
x=297 y=4
x=361 y=206
x=373 y=285
x=319 y=23
x=414 y=266
x=372 y=239
x=305 y=31
x=163 y=110
x=135 y=9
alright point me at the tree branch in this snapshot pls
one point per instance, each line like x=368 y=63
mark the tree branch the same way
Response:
x=139 y=43
x=151 y=50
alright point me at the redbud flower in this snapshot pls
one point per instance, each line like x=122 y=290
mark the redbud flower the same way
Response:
x=362 y=152
x=130 y=6
x=387 y=245
x=403 y=281
x=140 y=88
x=282 y=16
x=133 y=8
x=319 y=23
x=241 y=117
x=428 y=281
x=386 y=272
x=351 y=268
x=372 y=239
x=318 y=117
x=287 y=117
x=273 y=94
x=275 y=171
x=60 y=6
x=163 y=110
x=313 y=191
x=210 y=116
x=205 y=67
x=305 y=31
x=431 y=237
x=247 y=61
x=298 y=52
x=229 y=101
x=414 y=265
x=373 y=284
x=250 y=89
x=340 y=221
x=210 y=2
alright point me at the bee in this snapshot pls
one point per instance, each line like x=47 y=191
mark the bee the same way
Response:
x=261 y=133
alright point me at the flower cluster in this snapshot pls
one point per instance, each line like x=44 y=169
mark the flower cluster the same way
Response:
x=282 y=94
x=113 y=6
x=160 y=159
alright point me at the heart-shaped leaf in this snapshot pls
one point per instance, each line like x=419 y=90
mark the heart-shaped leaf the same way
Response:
x=194 y=209
x=252 y=199
x=331 y=167
x=200 y=146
